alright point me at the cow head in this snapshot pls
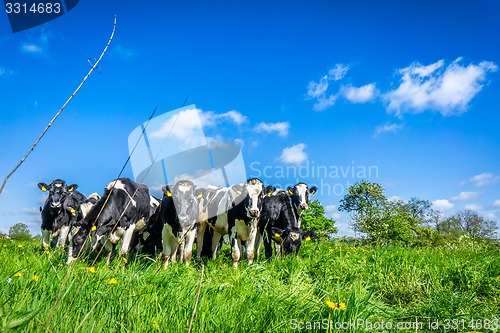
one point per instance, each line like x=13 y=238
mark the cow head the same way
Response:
x=270 y=189
x=254 y=190
x=290 y=239
x=57 y=192
x=300 y=195
x=185 y=201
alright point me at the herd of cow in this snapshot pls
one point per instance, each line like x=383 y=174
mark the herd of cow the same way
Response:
x=248 y=213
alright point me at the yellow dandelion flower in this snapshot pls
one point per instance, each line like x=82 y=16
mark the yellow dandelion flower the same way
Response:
x=308 y=238
x=20 y=245
x=331 y=305
x=60 y=265
x=337 y=277
x=47 y=251
x=94 y=228
x=113 y=281
x=342 y=306
x=35 y=278
x=125 y=260
x=91 y=269
x=18 y=274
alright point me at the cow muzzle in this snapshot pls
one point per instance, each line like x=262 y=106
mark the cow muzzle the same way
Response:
x=304 y=205
x=254 y=212
x=55 y=205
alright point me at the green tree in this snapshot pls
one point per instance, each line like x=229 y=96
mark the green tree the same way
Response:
x=19 y=231
x=314 y=219
x=469 y=222
x=366 y=203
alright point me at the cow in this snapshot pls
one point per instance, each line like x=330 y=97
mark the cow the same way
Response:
x=235 y=211
x=175 y=222
x=279 y=222
x=52 y=207
x=120 y=214
x=69 y=214
x=300 y=198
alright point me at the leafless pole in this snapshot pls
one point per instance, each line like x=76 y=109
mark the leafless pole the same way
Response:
x=196 y=300
x=92 y=68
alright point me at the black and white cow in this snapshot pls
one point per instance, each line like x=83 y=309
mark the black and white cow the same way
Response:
x=235 y=211
x=53 y=207
x=120 y=214
x=70 y=213
x=279 y=222
x=176 y=219
x=300 y=198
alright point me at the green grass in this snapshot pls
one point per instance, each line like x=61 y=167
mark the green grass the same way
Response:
x=454 y=285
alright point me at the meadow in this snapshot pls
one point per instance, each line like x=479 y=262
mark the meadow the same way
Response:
x=331 y=286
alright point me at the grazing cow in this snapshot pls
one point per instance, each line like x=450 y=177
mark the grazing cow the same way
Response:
x=205 y=198
x=52 y=207
x=300 y=198
x=235 y=211
x=177 y=218
x=120 y=214
x=70 y=213
x=279 y=222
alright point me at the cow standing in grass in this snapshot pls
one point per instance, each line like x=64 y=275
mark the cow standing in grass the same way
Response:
x=53 y=209
x=174 y=223
x=120 y=214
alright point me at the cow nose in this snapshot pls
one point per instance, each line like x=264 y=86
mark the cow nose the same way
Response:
x=304 y=205
x=183 y=217
x=56 y=204
x=254 y=212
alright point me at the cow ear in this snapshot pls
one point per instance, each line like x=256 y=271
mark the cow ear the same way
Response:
x=43 y=186
x=72 y=187
x=289 y=190
x=313 y=190
x=238 y=189
x=277 y=233
x=166 y=191
x=270 y=189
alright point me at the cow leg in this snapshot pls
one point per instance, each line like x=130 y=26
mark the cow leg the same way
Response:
x=235 y=251
x=108 y=249
x=251 y=244
x=258 y=241
x=45 y=238
x=63 y=236
x=199 y=238
x=180 y=249
x=169 y=241
x=190 y=236
x=215 y=244
x=278 y=249
x=268 y=247
x=126 y=239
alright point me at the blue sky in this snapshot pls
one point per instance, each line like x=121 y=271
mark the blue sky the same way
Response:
x=406 y=89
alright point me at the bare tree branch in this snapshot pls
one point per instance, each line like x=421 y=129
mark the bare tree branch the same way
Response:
x=92 y=68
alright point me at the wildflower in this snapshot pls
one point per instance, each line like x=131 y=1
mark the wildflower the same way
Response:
x=20 y=246
x=91 y=269
x=94 y=228
x=60 y=265
x=308 y=238
x=9 y=280
x=35 y=278
x=156 y=327
x=125 y=260
x=18 y=274
x=113 y=281
x=342 y=306
x=331 y=305
x=47 y=251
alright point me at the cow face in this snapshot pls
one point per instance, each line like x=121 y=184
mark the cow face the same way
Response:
x=300 y=195
x=290 y=239
x=254 y=190
x=57 y=192
x=185 y=201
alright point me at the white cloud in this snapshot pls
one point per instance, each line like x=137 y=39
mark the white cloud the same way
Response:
x=484 y=179
x=465 y=196
x=445 y=90
x=38 y=46
x=442 y=205
x=391 y=128
x=360 y=95
x=280 y=128
x=210 y=118
x=395 y=198
x=496 y=203
x=475 y=207
x=294 y=154
x=184 y=126
x=124 y=52
x=317 y=90
x=338 y=72
x=332 y=212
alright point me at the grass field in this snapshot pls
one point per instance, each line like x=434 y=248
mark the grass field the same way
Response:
x=331 y=286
